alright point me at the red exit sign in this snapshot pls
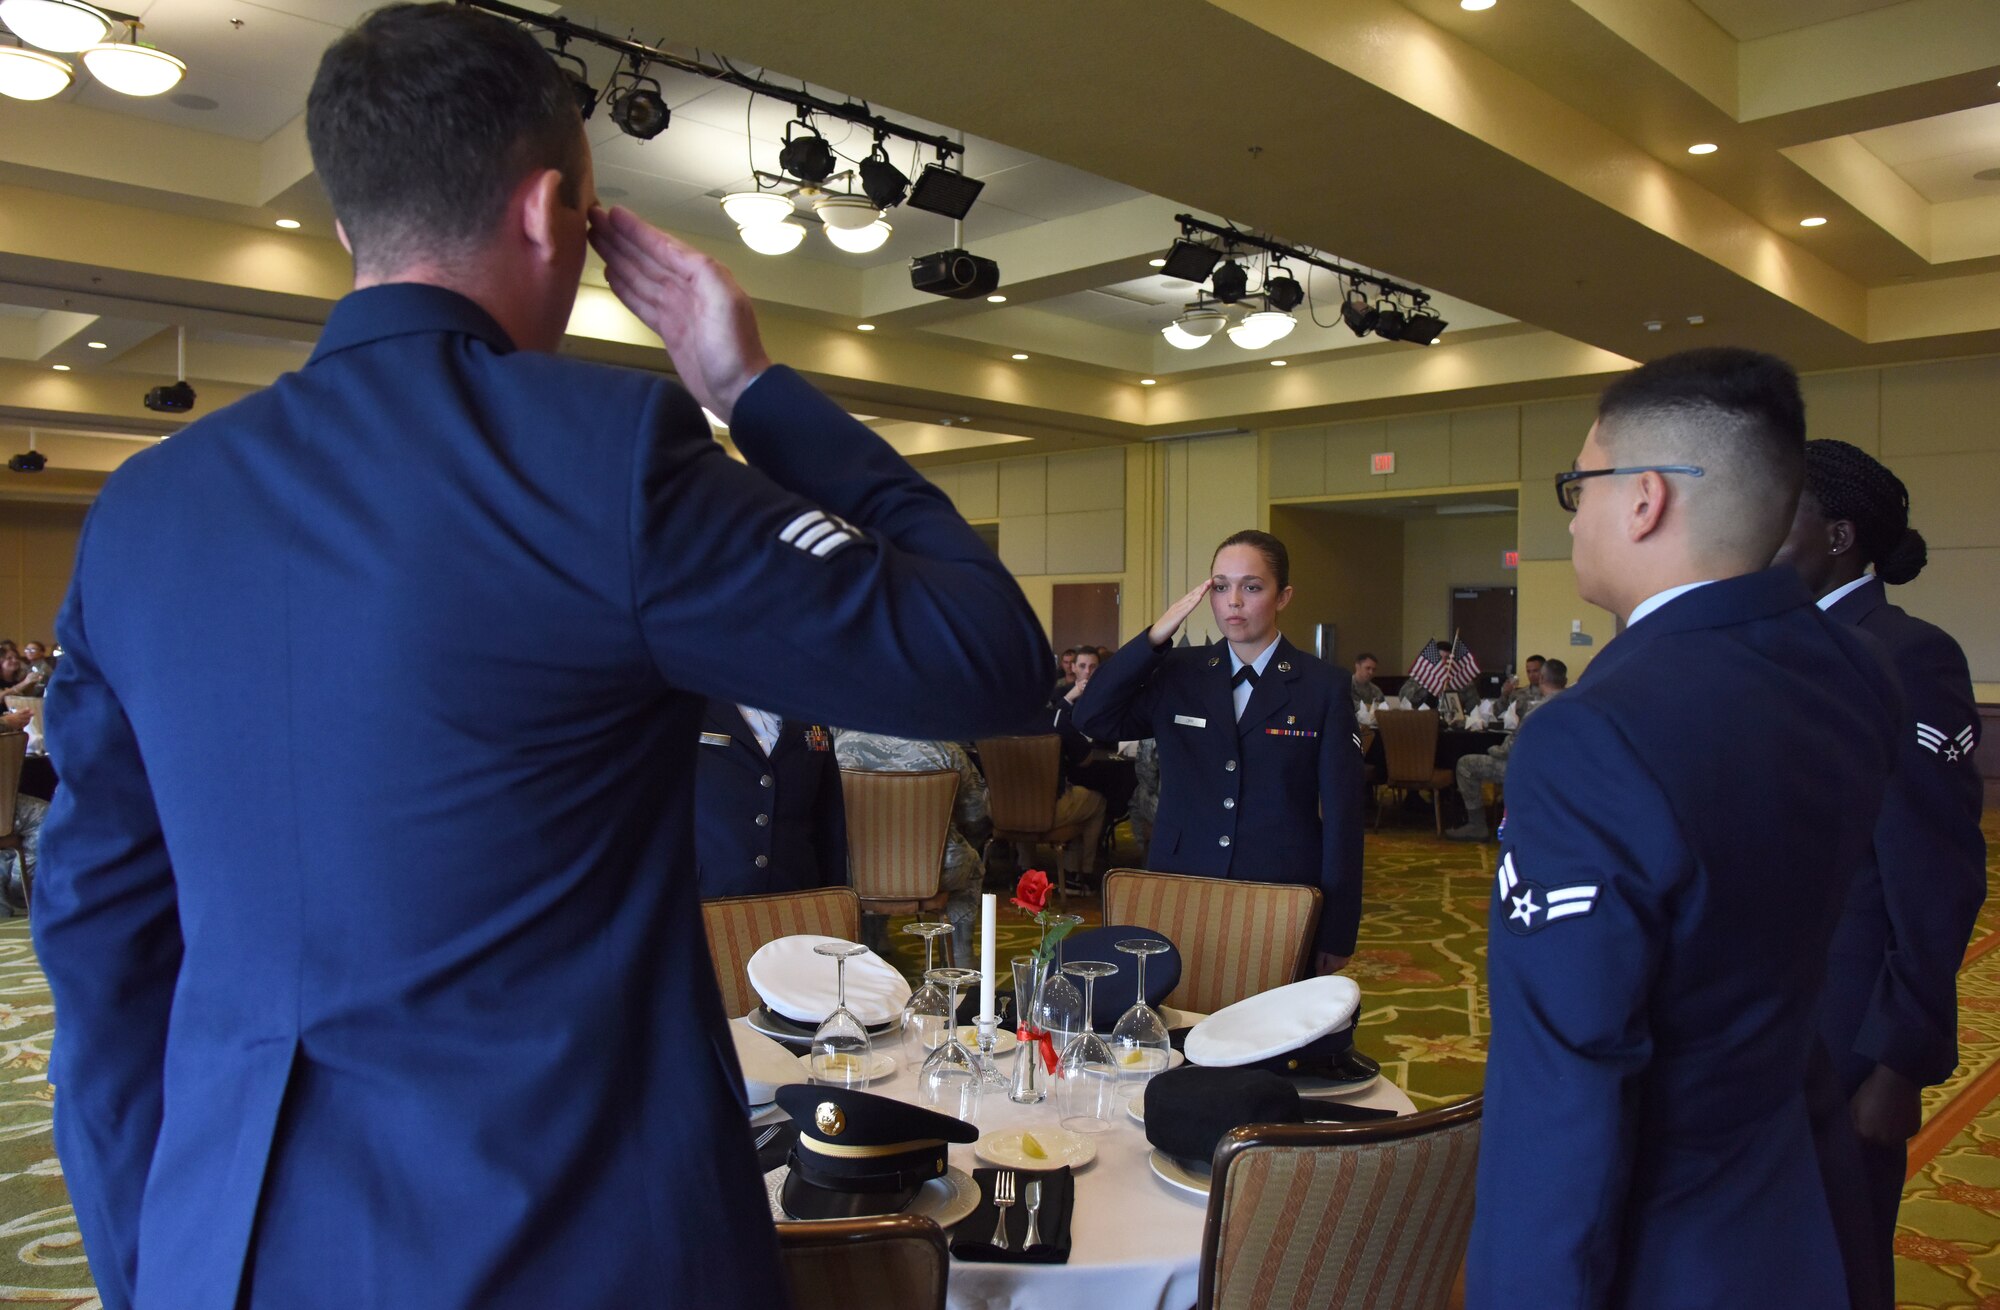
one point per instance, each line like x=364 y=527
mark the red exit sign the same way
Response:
x=1383 y=463
x=1510 y=559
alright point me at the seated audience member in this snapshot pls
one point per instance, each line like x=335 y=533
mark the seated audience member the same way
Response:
x=971 y=819
x=39 y=660
x=1075 y=802
x=15 y=866
x=1523 y=697
x=1365 y=690
x=1068 y=679
x=769 y=816
x=16 y=678
x=1474 y=770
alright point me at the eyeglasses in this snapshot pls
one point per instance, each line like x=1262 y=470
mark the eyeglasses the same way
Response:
x=1569 y=485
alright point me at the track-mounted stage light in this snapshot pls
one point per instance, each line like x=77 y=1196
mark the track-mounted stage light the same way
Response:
x=941 y=190
x=1284 y=292
x=638 y=107
x=1357 y=313
x=1389 y=320
x=1230 y=282
x=881 y=181
x=808 y=158
x=1423 y=327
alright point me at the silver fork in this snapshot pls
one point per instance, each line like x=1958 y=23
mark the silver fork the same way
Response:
x=1034 y=1214
x=1003 y=1197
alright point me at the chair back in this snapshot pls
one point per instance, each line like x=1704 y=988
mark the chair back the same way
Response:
x=32 y=704
x=1021 y=777
x=896 y=1262
x=1236 y=939
x=738 y=925
x=13 y=757
x=1317 y=1216
x=1409 y=745
x=897 y=825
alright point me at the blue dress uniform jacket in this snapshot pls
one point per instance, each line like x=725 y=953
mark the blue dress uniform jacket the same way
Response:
x=767 y=823
x=1244 y=799
x=386 y=984
x=1667 y=888
x=1891 y=994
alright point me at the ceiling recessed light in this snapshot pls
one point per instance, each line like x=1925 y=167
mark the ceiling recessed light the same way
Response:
x=60 y=368
x=1435 y=340
x=1149 y=382
x=996 y=300
x=1156 y=263
x=1018 y=355
x=1812 y=222
x=288 y=223
x=96 y=345
x=864 y=327
x=1475 y=5
x=1277 y=363
x=1703 y=148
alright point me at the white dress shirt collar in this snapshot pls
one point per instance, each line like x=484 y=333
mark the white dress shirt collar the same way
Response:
x=1659 y=598
x=1838 y=594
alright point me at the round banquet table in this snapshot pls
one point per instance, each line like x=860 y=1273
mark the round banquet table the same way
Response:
x=1135 y=1241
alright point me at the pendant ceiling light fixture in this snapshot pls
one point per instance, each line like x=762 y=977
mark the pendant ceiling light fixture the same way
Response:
x=1195 y=328
x=62 y=25
x=132 y=68
x=852 y=223
x=764 y=220
x=31 y=75
x=1263 y=328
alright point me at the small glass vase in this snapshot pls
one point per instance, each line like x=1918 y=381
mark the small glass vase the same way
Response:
x=1030 y=1083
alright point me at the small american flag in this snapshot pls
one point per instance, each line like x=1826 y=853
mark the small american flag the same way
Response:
x=1435 y=670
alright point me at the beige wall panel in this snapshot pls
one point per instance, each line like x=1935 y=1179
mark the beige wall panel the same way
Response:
x=1220 y=495
x=1955 y=592
x=1846 y=407
x=1024 y=544
x=1548 y=605
x=1942 y=408
x=1347 y=569
x=1422 y=443
x=1486 y=445
x=1298 y=463
x=1442 y=553
x=1348 y=446
x=978 y=492
x=1953 y=501
x=1088 y=479
x=1090 y=541
x=1024 y=487
x=1552 y=432
x=1542 y=528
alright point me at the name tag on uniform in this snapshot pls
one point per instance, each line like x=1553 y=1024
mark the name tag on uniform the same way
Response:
x=1190 y=721
x=715 y=739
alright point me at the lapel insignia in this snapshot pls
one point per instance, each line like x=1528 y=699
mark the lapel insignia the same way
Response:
x=1530 y=907
x=1284 y=666
x=1291 y=718
x=1214 y=660
x=1953 y=748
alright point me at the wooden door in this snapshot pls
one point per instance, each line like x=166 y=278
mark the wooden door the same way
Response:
x=1084 y=614
x=1484 y=617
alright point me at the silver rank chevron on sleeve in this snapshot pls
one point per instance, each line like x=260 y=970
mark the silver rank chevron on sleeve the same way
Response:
x=820 y=534
x=1952 y=748
x=1531 y=907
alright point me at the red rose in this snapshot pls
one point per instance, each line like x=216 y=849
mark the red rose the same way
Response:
x=1032 y=892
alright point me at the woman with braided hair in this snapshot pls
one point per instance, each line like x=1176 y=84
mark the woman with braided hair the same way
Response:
x=1889 y=1010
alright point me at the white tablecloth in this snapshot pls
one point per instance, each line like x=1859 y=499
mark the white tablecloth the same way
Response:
x=1135 y=1241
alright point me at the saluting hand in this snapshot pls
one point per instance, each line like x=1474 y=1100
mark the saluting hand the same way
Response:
x=702 y=316
x=1177 y=614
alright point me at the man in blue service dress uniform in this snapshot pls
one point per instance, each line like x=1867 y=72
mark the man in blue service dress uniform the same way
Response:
x=1260 y=770
x=394 y=991
x=768 y=811
x=1668 y=882
x=1889 y=1013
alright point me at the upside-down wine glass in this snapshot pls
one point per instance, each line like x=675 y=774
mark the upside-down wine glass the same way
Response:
x=1140 y=1041
x=1087 y=1077
x=841 y=1051
x=950 y=1079
x=925 y=1016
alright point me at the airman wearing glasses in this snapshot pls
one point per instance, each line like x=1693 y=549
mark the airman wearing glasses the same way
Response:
x=1668 y=883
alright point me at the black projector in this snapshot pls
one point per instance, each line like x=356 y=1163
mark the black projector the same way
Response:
x=956 y=273
x=30 y=461
x=174 y=398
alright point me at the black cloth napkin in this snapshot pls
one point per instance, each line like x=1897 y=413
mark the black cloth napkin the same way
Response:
x=970 y=1234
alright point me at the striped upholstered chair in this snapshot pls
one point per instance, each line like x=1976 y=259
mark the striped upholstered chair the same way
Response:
x=738 y=925
x=1236 y=939
x=896 y=1262
x=1023 y=775
x=1370 y=1216
x=897 y=826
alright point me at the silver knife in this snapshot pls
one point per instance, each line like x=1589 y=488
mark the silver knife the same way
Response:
x=1034 y=1213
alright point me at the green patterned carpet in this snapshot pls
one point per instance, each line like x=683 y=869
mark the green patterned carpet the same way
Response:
x=1421 y=967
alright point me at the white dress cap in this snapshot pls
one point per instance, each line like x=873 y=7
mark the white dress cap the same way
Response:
x=1271 y=1023
x=802 y=986
x=766 y=1065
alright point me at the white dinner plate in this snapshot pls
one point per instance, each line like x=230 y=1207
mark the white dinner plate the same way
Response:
x=1059 y=1145
x=771 y=1024
x=1003 y=1041
x=880 y=1065
x=1173 y=1173
x=1327 y=1090
x=1174 y=1060
x=945 y=1201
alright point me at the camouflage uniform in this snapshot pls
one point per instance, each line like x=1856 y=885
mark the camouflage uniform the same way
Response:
x=971 y=821
x=28 y=814
x=1367 y=693
x=1474 y=770
x=1146 y=793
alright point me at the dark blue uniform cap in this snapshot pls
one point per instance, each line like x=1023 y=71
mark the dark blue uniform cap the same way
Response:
x=1114 y=991
x=859 y=1154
